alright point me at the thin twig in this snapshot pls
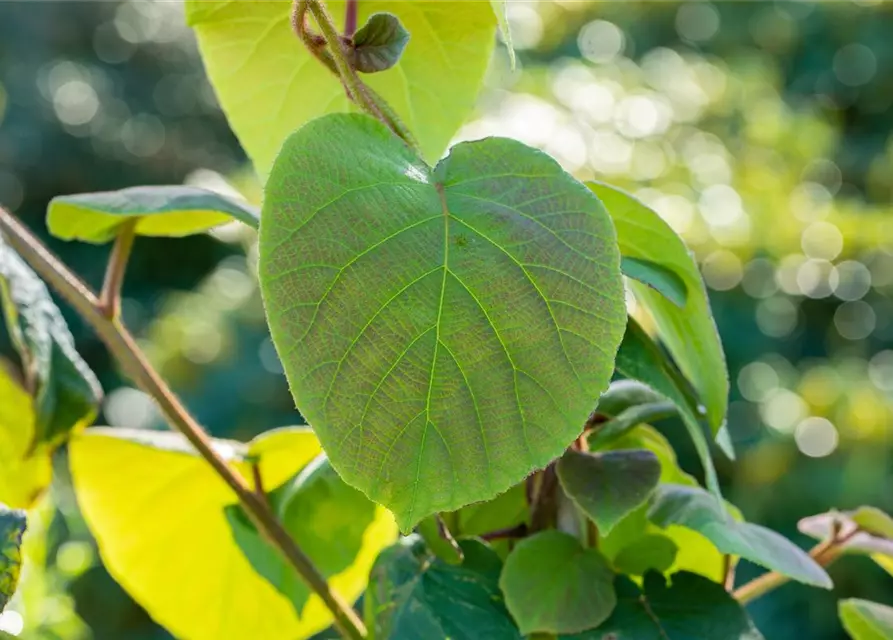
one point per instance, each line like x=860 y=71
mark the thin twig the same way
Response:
x=823 y=553
x=728 y=572
x=133 y=361
x=110 y=296
x=314 y=43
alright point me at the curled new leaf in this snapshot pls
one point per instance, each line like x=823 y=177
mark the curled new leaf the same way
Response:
x=444 y=330
x=866 y=530
x=66 y=393
x=12 y=527
x=379 y=43
x=173 y=211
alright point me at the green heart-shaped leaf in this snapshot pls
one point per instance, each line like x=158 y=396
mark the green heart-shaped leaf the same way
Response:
x=694 y=508
x=688 y=607
x=608 y=485
x=689 y=332
x=173 y=211
x=269 y=85
x=866 y=620
x=413 y=594
x=12 y=528
x=66 y=393
x=552 y=584
x=445 y=331
x=379 y=43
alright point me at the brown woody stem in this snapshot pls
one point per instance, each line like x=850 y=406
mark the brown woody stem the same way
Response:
x=133 y=361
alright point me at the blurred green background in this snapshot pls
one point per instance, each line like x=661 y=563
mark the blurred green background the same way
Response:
x=760 y=130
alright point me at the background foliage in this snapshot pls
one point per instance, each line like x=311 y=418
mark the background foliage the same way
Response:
x=761 y=131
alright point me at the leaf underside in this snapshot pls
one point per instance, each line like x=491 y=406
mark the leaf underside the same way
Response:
x=444 y=331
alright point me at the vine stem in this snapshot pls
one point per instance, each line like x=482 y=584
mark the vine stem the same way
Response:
x=823 y=553
x=133 y=361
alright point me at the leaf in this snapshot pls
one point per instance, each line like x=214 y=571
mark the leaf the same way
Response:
x=695 y=552
x=554 y=585
x=873 y=541
x=66 y=393
x=607 y=486
x=171 y=211
x=689 y=332
x=12 y=527
x=691 y=608
x=874 y=521
x=24 y=475
x=640 y=358
x=647 y=553
x=506 y=510
x=250 y=44
x=327 y=518
x=656 y=276
x=694 y=508
x=499 y=8
x=415 y=596
x=627 y=404
x=446 y=330
x=440 y=540
x=379 y=43
x=157 y=511
x=865 y=620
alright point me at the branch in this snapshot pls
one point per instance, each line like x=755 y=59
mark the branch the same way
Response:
x=350 y=18
x=110 y=296
x=132 y=360
x=823 y=553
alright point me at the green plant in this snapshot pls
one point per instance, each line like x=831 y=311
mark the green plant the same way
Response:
x=456 y=333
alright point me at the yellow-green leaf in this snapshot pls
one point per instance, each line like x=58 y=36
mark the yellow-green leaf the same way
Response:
x=158 y=513
x=866 y=620
x=66 y=392
x=269 y=85
x=172 y=211
x=23 y=475
x=688 y=331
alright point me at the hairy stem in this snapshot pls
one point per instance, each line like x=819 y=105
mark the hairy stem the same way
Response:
x=133 y=361
x=350 y=18
x=110 y=296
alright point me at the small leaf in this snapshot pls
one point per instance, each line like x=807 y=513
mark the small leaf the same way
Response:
x=626 y=394
x=690 y=608
x=629 y=419
x=552 y=584
x=500 y=8
x=865 y=620
x=656 y=276
x=439 y=540
x=414 y=595
x=694 y=508
x=66 y=393
x=379 y=43
x=12 y=528
x=607 y=486
x=874 y=521
x=689 y=332
x=640 y=358
x=172 y=211
x=136 y=488
x=485 y=294
x=650 y=552
x=433 y=88
x=695 y=552
x=506 y=510
x=24 y=475
x=872 y=541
